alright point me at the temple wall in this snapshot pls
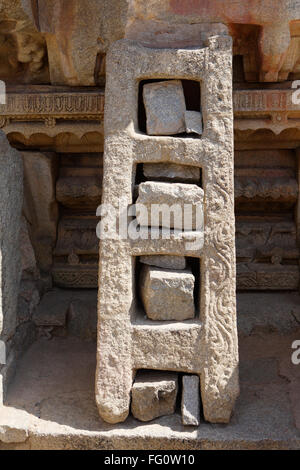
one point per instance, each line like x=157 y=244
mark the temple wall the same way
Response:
x=11 y=184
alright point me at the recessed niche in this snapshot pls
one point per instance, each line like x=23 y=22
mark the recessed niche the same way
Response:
x=168 y=172
x=168 y=287
x=170 y=108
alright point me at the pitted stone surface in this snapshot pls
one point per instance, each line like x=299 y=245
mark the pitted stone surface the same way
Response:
x=190 y=403
x=11 y=196
x=171 y=172
x=168 y=195
x=165 y=107
x=53 y=309
x=193 y=121
x=154 y=395
x=168 y=262
x=167 y=294
x=206 y=346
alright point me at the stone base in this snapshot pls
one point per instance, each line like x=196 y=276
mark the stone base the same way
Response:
x=51 y=404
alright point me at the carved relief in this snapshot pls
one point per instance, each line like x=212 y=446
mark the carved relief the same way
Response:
x=208 y=346
x=265 y=109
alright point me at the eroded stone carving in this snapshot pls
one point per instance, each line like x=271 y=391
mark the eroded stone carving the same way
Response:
x=126 y=342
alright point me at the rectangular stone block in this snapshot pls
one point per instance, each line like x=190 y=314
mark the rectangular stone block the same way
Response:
x=154 y=394
x=167 y=295
x=190 y=403
x=161 y=261
x=11 y=200
x=53 y=309
x=171 y=172
x=165 y=107
x=193 y=122
x=179 y=203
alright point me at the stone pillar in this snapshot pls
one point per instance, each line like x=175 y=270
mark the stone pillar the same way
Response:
x=127 y=341
x=40 y=205
x=11 y=197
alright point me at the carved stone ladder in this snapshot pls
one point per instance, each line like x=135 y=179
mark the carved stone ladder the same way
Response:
x=127 y=342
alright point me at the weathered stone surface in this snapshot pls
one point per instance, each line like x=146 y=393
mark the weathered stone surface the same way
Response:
x=83 y=191
x=168 y=262
x=28 y=260
x=174 y=24
x=206 y=346
x=274 y=312
x=171 y=172
x=40 y=206
x=167 y=195
x=193 y=121
x=82 y=317
x=67 y=418
x=72 y=46
x=11 y=195
x=154 y=394
x=190 y=403
x=53 y=309
x=165 y=107
x=167 y=294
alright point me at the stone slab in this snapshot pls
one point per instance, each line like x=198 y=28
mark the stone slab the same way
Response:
x=190 y=403
x=11 y=177
x=53 y=309
x=170 y=196
x=193 y=122
x=153 y=395
x=161 y=261
x=171 y=172
x=52 y=405
x=165 y=107
x=167 y=294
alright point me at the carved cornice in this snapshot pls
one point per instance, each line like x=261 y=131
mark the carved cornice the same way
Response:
x=265 y=109
x=50 y=107
x=48 y=110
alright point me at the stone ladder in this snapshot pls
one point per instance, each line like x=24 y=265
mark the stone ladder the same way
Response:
x=206 y=346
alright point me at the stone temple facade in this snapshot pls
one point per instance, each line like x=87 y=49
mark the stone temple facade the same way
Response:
x=149 y=224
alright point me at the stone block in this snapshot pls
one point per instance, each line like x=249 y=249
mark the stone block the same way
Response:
x=167 y=295
x=161 y=261
x=79 y=191
x=82 y=318
x=28 y=260
x=190 y=403
x=193 y=122
x=174 y=199
x=154 y=394
x=40 y=205
x=11 y=199
x=53 y=309
x=165 y=107
x=171 y=172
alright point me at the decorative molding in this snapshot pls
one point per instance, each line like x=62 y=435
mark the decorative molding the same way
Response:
x=82 y=276
x=253 y=109
x=265 y=109
x=49 y=107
